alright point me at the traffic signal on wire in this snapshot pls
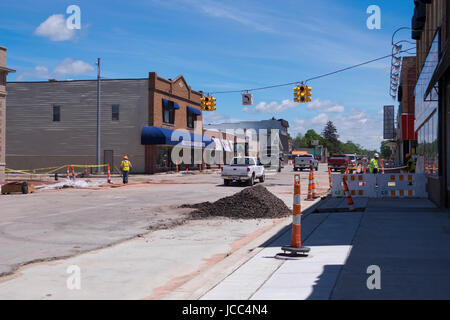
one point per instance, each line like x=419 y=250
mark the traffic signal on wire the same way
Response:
x=302 y=89
x=208 y=103
x=297 y=94
x=308 y=94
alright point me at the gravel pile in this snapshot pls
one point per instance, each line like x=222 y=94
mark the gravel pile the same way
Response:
x=251 y=203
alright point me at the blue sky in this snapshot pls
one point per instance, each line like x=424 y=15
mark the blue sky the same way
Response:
x=222 y=45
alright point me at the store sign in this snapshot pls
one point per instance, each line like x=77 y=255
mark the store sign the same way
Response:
x=192 y=144
x=388 y=123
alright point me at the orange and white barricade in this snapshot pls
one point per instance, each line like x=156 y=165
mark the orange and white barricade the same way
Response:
x=109 y=174
x=402 y=185
x=360 y=185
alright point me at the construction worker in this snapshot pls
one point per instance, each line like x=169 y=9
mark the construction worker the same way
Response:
x=125 y=166
x=410 y=163
x=373 y=165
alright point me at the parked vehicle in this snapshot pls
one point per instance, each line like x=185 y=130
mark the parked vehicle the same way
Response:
x=246 y=169
x=353 y=160
x=305 y=161
x=339 y=162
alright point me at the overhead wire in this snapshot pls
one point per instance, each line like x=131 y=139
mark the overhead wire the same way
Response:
x=309 y=79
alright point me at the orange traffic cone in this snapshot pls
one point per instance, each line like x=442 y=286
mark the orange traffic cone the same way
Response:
x=434 y=167
x=109 y=174
x=296 y=250
x=68 y=172
x=382 y=166
x=329 y=178
x=73 y=173
x=310 y=188
x=314 y=195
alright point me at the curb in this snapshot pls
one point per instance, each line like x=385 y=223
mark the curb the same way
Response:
x=197 y=287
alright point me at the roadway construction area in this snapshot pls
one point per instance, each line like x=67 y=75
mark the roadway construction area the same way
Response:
x=187 y=236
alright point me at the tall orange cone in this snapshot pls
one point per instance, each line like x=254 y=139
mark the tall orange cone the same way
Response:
x=347 y=171
x=427 y=169
x=310 y=188
x=314 y=194
x=68 y=172
x=73 y=173
x=434 y=167
x=329 y=178
x=109 y=174
x=382 y=166
x=295 y=249
x=348 y=196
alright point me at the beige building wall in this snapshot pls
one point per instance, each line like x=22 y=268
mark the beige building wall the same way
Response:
x=3 y=73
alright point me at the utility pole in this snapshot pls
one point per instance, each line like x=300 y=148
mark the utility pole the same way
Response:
x=99 y=159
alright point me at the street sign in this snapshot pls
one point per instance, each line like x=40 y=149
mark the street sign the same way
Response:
x=247 y=99
x=314 y=142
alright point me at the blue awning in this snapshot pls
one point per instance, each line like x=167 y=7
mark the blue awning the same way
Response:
x=193 y=110
x=162 y=136
x=166 y=103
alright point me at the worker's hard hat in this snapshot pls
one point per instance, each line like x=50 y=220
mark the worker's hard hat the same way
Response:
x=376 y=155
x=125 y=157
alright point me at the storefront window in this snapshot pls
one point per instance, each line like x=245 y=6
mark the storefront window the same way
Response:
x=428 y=147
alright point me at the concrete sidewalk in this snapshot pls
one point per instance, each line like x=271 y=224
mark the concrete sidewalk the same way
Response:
x=409 y=240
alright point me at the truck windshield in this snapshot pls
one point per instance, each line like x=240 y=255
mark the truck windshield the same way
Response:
x=243 y=162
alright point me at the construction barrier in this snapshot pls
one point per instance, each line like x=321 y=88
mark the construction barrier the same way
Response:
x=391 y=185
x=402 y=185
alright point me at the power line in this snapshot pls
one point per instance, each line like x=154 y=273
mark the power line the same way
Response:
x=310 y=79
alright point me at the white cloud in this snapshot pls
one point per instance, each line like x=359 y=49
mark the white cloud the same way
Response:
x=40 y=72
x=320 y=119
x=55 y=28
x=71 y=67
x=336 y=109
x=67 y=67
x=326 y=106
x=272 y=107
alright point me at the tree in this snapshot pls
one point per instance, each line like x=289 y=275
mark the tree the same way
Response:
x=298 y=141
x=386 y=151
x=331 y=137
x=311 y=135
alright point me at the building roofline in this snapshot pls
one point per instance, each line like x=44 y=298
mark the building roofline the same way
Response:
x=47 y=81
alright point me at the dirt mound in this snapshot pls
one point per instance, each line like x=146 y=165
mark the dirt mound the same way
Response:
x=250 y=203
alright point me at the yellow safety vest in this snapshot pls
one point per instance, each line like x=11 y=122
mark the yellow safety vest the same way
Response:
x=125 y=165
x=373 y=164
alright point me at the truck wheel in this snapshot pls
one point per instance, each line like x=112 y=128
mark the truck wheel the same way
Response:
x=262 y=178
x=251 y=181
x=317 y=168
x=226 y=182
x=301 y=169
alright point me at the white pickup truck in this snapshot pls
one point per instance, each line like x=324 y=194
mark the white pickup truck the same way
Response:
x=305 y=161
x=246 y=169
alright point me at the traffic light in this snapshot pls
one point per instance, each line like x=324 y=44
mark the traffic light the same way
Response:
x=302 y=90
x=308 y=94
x=212 y=104
x=297 y=94
x=208 y=103
x=204 y=103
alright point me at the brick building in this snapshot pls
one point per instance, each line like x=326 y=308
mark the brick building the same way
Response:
x=53 y=123
x=3 y=74
x=406 y=138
